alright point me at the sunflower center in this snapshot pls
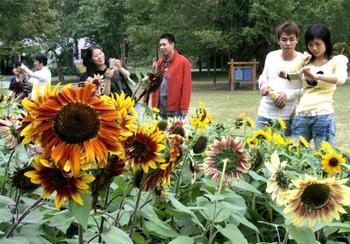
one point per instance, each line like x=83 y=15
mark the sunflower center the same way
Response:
x=333 y=162
x=140 y=149
x=261 y=136
x=76 y=123
x=58 y=180
x=316 y=196
x=226 y=154
x=282 y=180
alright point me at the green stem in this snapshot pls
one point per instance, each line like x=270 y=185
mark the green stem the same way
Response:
x=178 y=180
x=133 y=216
x=122 y=200
x=212 y=234
x=19 y=220
x=6 y=172
x=102 y=217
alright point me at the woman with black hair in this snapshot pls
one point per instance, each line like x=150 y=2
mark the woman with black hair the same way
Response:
x=114 y=74
x=314 y=114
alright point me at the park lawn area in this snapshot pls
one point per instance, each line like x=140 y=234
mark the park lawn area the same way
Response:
x=226 y=105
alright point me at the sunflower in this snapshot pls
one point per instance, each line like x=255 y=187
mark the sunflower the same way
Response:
x=176 y=127
x=161 y=177
x=332 y=162
x=126 y=113
x=232 y=151
x=278 y=182
x=262 y=134
x=143 y=148
x=239 y=121
x=201 y=119
x=252 y=141
x=281 y=124
x=326 y=148
x=55 y=179
x=303 y=142
x=73 y=126
x=316 y=200
x=250 y=122
x=278 y=139
x=8 y=130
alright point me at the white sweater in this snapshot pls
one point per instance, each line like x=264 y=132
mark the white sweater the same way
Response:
x=274 y=63
x=39 y=78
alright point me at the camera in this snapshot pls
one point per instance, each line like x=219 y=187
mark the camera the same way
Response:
x=314 y=83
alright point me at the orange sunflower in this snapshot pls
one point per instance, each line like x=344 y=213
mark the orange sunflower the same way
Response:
x=74 y=127
x=54 y=179
x=143 y=148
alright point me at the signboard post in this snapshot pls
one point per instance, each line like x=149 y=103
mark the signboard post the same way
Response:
x=242 y=71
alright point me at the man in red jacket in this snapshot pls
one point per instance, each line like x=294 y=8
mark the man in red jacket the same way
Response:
x=174 y=93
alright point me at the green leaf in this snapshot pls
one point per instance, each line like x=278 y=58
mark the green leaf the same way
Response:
x=15 y=240
x=243 y=185
x=5 y=215
x=178 y=205
x=301 y=235
x=116 y=236
x=182 y=240
x=232 y=233
x=6 y=201
x=81 y=213
x=241 y=219
x=343 y=227
x=161 y=230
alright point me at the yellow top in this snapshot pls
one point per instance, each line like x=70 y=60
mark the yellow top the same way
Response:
x=319 y=98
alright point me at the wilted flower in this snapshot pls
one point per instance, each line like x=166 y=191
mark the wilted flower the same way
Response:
x=278 y=182
x=200 y=145
x=8 y=130
x=21 y=182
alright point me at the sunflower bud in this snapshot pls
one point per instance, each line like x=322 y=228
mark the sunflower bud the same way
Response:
x=22 y=182
x=200 y=145
x=162 y=125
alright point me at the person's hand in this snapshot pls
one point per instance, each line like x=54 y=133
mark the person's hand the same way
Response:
x=283 y=74
x=116 y=64
x=109 y=73
x=281 y=100
x=308 y=75
x=265 y=90
x=184 y=112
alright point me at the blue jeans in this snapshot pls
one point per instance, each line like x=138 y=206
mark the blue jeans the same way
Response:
x=262 y=122
x=319 y=128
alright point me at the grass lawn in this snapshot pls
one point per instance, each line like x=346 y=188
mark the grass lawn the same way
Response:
x=226 y=105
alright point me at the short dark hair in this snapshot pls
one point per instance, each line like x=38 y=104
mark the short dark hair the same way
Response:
x=288 y=27
x=322 y=32
x=169 y=37
x=17 y=64
x=41 y=58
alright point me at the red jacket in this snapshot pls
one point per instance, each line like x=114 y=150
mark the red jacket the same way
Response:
x=179 y=84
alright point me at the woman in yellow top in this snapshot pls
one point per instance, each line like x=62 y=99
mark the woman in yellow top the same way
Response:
x=314 y=114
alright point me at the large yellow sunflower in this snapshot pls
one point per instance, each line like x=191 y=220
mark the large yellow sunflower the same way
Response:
x=54 y=179
x=143 y=148
x=316 y=200
x=332 y=162
x=74 y=126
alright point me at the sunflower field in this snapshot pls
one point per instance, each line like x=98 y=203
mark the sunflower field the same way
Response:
x=77 y=167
